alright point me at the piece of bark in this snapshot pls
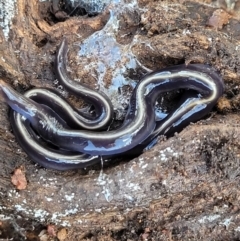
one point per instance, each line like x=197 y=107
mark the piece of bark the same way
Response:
x=19 y=179
x=186 y=187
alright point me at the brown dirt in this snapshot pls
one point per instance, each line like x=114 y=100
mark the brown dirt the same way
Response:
x=185 y=188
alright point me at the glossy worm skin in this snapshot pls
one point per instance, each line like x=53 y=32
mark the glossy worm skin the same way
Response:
x=35 y=147
x=193 y=105
x=140 y=123
x=41 y=116
x=102 y=104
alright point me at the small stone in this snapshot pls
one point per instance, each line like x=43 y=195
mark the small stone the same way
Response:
x=51 y=230
x=218 y=19
x=62 y=234
x=19 y=179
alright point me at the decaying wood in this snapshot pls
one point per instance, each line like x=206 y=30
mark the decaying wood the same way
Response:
x=185 y=188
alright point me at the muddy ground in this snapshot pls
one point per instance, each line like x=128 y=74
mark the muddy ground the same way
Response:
x=185 y=188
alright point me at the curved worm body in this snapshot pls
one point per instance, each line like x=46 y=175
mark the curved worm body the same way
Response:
x=102 y=104
x=140 y=123
x=36 y=148
x=47 y=127
x=194 y=104
x=43 y=154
